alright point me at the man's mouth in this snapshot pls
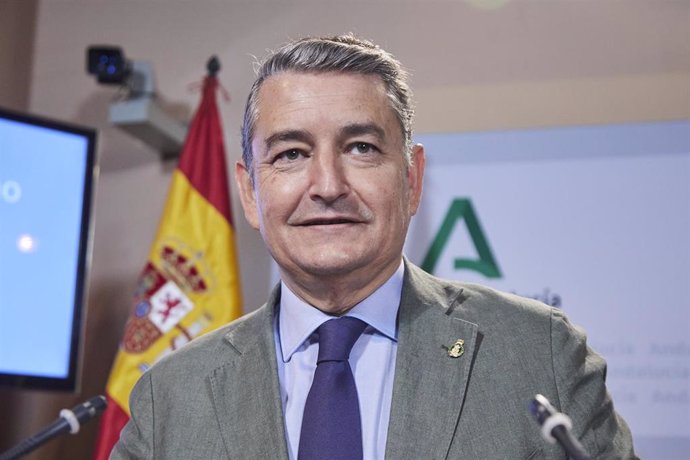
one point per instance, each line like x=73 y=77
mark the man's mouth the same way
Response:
x=328 y=221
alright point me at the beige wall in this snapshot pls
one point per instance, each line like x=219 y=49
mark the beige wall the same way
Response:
x=17 y=22
x=524 y=64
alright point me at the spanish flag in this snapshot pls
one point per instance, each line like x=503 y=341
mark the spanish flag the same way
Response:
x=190 y=284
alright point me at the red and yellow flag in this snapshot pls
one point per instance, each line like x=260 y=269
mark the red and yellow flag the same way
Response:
x=190 y=284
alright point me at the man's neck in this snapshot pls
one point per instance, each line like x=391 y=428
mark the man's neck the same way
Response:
x=336 y=295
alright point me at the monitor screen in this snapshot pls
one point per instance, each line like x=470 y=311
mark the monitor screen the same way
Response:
x=46 y=178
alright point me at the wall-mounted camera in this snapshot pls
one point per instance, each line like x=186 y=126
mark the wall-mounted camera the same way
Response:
x=107 y=64
x=138 y=113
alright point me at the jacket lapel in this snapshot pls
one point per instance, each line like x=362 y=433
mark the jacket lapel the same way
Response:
x=430 y=377
x=246 y=392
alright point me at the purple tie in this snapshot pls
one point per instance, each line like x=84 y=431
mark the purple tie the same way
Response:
x=331 y=425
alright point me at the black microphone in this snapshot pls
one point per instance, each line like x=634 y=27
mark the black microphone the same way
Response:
x=69 y=421
x=556 y=426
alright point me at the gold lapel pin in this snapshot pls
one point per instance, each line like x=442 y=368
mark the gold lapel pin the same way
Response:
x=457 y=349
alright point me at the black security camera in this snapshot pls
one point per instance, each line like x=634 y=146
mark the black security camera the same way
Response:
x=108 y=64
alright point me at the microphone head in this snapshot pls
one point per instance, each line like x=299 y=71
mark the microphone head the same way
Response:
x=98 y=402
x=548 y=417
x=89 y=409
x=541 y=408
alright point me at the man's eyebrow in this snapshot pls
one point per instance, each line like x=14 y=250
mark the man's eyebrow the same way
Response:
x=358 y=129
x=288 y=135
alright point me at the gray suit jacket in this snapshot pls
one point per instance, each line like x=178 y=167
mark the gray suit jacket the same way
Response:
x=219 y=396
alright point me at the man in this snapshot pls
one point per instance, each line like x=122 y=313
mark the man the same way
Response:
x=436 y=369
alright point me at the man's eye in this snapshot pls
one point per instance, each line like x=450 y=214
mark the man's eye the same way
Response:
x=289 y=155
x=362 y=147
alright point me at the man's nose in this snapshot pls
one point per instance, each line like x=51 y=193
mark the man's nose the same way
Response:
x=328 y=178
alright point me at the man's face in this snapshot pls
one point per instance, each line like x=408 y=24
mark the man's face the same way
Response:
x=332 y=194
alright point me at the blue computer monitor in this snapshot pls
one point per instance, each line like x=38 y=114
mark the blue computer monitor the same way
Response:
x=46 y=182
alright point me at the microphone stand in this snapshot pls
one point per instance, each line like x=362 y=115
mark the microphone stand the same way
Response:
x=69 y=421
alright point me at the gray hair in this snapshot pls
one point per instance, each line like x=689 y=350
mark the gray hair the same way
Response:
x=344 y=53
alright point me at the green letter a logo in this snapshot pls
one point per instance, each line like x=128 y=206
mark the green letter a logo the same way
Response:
x=461 y=208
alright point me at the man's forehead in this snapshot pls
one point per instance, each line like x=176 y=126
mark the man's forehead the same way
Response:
x=295 y=87
x=291 y=98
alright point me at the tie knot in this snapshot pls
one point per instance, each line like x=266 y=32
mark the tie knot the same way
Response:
x=337 y=336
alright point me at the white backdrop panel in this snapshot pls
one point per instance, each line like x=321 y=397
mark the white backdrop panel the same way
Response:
x=593 y=219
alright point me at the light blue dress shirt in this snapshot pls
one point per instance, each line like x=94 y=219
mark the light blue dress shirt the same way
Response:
x=372 y=360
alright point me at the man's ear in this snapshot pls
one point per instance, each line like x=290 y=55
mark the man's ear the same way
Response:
x=415 y=177
x=245 y=185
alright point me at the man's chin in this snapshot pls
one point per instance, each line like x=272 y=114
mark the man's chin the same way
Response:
x=333 y=265
x=331 y=268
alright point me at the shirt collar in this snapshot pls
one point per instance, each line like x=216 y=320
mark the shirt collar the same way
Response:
x=297 y=320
